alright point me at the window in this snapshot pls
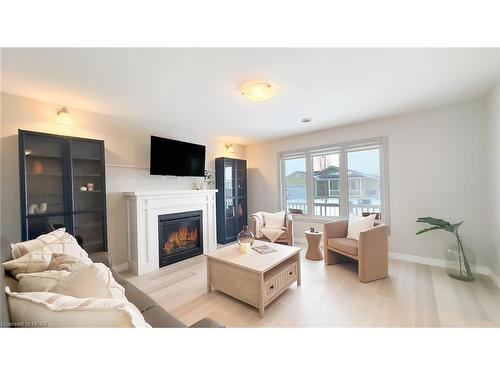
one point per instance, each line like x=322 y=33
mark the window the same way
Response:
x=336 y=180
x=364 y=181
x=295 y=183
x=326 y=168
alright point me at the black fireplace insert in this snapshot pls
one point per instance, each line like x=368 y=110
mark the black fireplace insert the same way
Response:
x=180 y=236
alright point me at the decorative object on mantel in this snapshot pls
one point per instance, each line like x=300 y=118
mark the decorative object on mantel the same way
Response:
x=459 y=262
x=83 y=188
x=208 y=180
x=245 y=239
x=90 y=186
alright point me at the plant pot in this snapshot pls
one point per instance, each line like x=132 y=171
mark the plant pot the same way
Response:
x=460 y=265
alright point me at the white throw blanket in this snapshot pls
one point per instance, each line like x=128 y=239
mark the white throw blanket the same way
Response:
x=260 y=229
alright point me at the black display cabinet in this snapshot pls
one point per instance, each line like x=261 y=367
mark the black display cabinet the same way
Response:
x=63 y=184
x=231 y=183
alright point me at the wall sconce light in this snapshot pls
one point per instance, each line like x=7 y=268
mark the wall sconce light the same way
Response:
x=63 y=117
x=229 y=148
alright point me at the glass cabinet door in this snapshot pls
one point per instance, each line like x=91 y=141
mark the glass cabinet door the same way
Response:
x=87 y=166
x=89 y=231
x=229 y=176
x=88 y=194
x=45 y=198
x=241 y=178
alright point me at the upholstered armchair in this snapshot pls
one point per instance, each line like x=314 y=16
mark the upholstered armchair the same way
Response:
x=256 y=220
x=370 y=252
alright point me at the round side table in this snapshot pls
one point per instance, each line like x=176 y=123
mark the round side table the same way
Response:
x=313 y=241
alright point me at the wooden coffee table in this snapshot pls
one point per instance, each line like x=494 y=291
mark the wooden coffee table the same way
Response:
x=254 y=278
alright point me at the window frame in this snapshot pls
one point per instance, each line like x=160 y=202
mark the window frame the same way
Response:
x=380 y=143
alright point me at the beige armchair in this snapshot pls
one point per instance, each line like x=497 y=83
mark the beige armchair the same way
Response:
x=286 y=238
x=371 y=251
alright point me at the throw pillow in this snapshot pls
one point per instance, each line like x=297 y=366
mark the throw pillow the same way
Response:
x=23 y=248
x=36 y=261
x=66 y=244
x=358 y=224
x=39 y=281
x=45 y=309
x=65 y=262
x=94 y=281
x=274 y=220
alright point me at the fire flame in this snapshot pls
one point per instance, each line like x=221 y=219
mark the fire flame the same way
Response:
x=183 y=237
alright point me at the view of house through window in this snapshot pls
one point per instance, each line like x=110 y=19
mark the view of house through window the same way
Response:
x=364 y=181
x=342 y=181
x=326 y=178
x=296 y=185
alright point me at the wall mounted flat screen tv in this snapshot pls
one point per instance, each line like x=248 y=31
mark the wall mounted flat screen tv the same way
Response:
x=175 y=158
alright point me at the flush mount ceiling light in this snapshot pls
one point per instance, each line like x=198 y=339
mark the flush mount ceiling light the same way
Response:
x=63 y=117
x=230 y=148
x=257 y=91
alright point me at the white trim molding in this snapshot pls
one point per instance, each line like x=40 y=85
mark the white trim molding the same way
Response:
x=120 y=267
x=143 y=209
x=481 y=270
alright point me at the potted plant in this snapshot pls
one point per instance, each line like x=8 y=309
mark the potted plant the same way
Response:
x=459 y=265
x=207 y=180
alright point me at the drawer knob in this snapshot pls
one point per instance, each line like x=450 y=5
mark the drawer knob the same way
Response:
x=271 y=287
x=290 y=273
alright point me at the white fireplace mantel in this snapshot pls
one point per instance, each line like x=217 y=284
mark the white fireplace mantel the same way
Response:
x=143 y=209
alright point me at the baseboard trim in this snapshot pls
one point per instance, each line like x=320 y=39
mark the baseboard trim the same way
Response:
x=121 y=267
x=482 y=270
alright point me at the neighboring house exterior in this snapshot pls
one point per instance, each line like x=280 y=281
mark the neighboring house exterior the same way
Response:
x=363 y=189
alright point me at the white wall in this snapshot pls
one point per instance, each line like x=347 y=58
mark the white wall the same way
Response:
x=494 y=172
x=437 y=167
x=125 y=143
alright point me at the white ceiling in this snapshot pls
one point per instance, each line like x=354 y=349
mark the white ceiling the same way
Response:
x=199 y=88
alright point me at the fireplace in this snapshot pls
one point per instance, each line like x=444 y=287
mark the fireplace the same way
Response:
x=180 y=236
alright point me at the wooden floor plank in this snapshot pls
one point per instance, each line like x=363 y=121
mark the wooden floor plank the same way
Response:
x=413 y=295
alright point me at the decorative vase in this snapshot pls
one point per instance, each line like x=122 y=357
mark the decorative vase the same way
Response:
x=460 y=263
x=37 y=167
x=245 y=239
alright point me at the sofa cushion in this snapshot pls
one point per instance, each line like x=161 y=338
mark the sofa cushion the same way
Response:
x=36 y=261
x=67 y=244
x=22 y=248
x=39 y=281
x=93 y=281
x=70 y=263
x=344 y=244
x=45 y=309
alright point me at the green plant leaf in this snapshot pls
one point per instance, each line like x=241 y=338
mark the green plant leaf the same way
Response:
x=433 y=221
x=453 y=228
x=428 y=229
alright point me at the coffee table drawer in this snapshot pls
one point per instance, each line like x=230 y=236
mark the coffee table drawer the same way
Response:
x=280 y=281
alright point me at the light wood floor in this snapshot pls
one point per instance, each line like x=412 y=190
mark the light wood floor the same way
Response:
x=413 y=295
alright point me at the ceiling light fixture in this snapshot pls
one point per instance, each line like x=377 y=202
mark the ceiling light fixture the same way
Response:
x=229 y=148
x=63 y=117
x=306 y=120
x=257 y=91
